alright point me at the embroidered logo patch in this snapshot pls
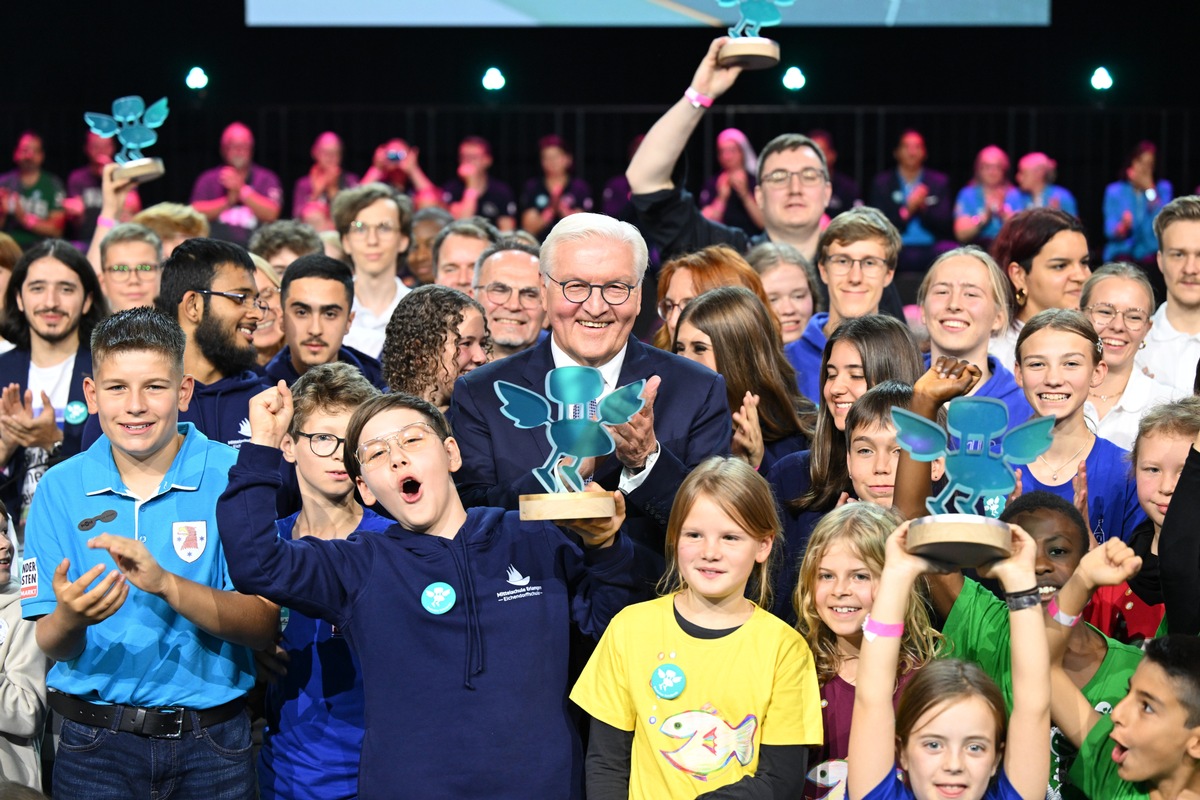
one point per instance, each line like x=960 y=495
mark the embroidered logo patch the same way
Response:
x=29 y=578
x=189 y=539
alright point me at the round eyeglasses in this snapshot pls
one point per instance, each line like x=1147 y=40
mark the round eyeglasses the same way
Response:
x=322 y=444
x=579 y=292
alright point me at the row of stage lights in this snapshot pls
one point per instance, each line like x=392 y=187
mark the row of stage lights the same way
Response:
x=793 y=79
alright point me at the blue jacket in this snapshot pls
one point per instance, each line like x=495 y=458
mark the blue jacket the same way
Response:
x=691 y=420
x=315 y=713
x=281 y=368
x=14 y=368
x=471 y=702
x=219 y=410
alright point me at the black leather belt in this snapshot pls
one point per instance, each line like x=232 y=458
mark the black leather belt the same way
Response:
x=170 y=722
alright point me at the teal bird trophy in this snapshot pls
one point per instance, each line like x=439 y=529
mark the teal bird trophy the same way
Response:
x=575 y=433
x=748 y=49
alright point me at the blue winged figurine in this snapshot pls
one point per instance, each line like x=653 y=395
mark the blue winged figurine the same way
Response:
x=755 y=14
x=579 y=431
x=974 y=472
x=131 y=122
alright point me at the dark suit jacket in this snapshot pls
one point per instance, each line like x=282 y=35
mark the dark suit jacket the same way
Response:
x=938 y=218
x=14 y=368
x=691 y=422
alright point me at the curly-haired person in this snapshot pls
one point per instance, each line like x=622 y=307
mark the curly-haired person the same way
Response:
x=435 y=336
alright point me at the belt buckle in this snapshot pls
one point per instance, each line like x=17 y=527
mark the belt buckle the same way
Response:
x=178 y=711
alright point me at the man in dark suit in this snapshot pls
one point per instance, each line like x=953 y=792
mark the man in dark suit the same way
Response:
x=592 y=268
x=918 y=201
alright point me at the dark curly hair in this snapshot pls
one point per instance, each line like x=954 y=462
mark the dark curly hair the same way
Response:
x=416 y=336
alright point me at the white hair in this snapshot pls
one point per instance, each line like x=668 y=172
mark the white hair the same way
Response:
x=583 y=226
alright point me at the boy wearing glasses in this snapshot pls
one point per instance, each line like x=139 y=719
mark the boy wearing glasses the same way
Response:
x=129 y=258
x=314 y=704
x=460 y=619
x=375 y=223
x=856 y=257
x=508 y=285
x=153 y=658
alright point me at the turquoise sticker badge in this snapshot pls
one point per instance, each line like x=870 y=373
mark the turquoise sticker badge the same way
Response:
x=438 y=598
x=668 y=681
x=76 y=412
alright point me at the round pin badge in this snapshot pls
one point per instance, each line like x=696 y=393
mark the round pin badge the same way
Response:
x=75 y=412
x=438 y=598
x=668 y=681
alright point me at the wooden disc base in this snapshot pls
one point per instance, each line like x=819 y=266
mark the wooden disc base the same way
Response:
x=567 y=505
x=964 y=540
x=749 y=52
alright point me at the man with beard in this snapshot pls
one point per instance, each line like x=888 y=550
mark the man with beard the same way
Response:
x=31 y=201
x=316 y=295
x=240 y=195
x=208 y=286
x=51 y=305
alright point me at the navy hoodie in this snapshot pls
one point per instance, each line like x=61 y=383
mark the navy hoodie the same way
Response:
x=220 y=410
x=281 y=368
x=471 y=702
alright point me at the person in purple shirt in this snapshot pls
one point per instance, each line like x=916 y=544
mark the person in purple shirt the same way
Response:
x=239 y=195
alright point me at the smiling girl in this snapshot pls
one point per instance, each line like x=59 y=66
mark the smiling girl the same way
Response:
x=838 y=581
x=667 y=719
x=1058 y=362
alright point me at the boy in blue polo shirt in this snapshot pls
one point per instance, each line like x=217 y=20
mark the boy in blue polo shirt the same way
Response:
x=153 y=659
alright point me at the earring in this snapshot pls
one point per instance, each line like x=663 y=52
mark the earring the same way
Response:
x=1142 y=346
x=1021 y=297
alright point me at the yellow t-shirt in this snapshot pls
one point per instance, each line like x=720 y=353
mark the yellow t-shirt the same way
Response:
x=699 y=709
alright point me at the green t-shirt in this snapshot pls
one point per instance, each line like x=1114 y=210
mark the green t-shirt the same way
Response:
x=1095 y=773
x=41 y=199
x=977 y=630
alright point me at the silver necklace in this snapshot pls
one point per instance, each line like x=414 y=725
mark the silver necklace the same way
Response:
x=1054 y=470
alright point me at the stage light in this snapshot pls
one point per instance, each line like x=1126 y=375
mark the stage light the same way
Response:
x=1101 y=79
x=794 y=79
x=493 y=79
x=196 y=79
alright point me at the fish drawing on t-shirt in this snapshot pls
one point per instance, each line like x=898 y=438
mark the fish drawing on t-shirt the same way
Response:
x=711 y=741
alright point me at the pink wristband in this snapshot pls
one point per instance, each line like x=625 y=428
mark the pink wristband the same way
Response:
x=871 y=629
x=106 y=222
x=696 y=99
x=1060 y=616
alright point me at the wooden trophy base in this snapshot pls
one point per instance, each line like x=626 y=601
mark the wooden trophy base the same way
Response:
x=567 y=505
x=964 y=540
x=749 y=52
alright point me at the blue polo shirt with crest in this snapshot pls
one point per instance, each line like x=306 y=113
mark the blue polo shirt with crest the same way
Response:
x=146 y=654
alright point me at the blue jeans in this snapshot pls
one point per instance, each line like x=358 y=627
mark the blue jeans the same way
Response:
x=212 y=763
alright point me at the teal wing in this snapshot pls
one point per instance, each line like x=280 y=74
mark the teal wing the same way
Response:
x=156 y=114
x=622 y=404
x=1027 y=441
x=128 y=109
x=102 y=125
x=525 y=408
x=924 y=440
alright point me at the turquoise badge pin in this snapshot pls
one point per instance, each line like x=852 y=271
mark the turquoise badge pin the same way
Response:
x=438 y=597
x=668 y=681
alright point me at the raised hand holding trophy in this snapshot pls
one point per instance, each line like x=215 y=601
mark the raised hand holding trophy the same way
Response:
x=748 y=50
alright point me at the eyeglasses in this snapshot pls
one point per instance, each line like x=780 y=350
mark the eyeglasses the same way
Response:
x=244 y=300
x=871 y=267
x=322 y=444
x=779 y=178
x=498 y=293
x=666 y=308
x=121 y=273
x=1103 y=314
x=411 y=438
x=614 y=292
x=383 y=230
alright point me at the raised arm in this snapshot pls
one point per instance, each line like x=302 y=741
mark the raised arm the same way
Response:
x=946 y=379
x=874 y=720
x=1027 y=748
x=1108 y=564
x=651 y=167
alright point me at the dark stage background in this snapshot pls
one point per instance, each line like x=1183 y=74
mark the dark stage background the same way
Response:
x=1021 y=88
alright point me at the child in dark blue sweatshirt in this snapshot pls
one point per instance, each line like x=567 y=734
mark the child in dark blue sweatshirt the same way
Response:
x=460 y=619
